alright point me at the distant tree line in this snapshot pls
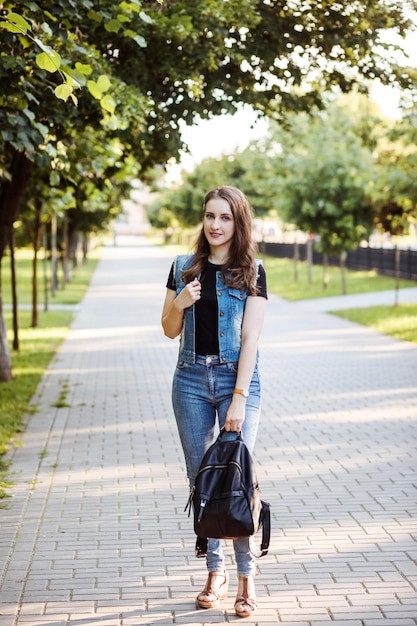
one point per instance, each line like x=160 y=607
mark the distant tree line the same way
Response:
x=338 y=174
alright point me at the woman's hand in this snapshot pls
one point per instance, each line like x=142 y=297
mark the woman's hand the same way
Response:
x=189 y=295
x=174 y=306
x=235 y=414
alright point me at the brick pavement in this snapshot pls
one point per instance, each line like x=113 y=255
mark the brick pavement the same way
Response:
x=95 y=532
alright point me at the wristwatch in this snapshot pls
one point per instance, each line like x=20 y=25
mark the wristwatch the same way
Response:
x=243 y=392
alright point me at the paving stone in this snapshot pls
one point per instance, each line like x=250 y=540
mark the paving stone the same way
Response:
x=96 y=533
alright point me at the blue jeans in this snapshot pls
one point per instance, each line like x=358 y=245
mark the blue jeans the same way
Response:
x=201 y=395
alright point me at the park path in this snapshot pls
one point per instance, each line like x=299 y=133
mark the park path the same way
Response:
x=95 y=533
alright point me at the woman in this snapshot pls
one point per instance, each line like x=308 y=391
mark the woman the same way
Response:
x=216 y=301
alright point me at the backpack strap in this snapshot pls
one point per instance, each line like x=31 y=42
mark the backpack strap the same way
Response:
x=266 y=527
x=265 y=518
x=201 y=547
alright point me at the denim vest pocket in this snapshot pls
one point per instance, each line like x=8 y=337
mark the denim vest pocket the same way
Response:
x=237 y=302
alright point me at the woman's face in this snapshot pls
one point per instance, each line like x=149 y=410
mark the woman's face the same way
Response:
x=218 y=224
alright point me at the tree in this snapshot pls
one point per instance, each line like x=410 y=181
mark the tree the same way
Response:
x=394 y=192
x=37 y=127
x=250 y=170
x=139 y=68
x=325 y=181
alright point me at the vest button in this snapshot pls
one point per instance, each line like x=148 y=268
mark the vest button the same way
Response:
x=221 y=313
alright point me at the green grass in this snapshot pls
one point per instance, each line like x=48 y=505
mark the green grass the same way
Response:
x=37 y=346
x=71 y=293
x=280 y=276
x=397 y=321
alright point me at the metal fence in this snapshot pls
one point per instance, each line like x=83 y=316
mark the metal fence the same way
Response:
x=381 y=260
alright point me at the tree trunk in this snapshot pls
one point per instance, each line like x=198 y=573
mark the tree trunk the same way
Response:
x=66 y=254
x=325 y=270
x=54 y=254
x=296 y=259
x=14 y=294
x=310 y=260
x=45 y=267
x=343 y=256
x=73 y=245
x=36 y=244
x=397 y=274
x=85 y=247
x=5 y=359
x=11 y=197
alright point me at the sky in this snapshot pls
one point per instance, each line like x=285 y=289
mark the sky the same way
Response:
x=222 y=135
x=225 y=134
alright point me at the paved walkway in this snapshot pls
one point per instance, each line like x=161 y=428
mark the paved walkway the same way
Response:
x=362 y=300
x=95 y=533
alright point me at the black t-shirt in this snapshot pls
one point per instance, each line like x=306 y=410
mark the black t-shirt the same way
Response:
x=206 y=313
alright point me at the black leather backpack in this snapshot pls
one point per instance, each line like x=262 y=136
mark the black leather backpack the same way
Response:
x=226 y=497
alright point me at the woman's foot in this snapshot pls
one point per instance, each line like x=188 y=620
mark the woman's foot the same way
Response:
x=245 y=603
x=215 y=590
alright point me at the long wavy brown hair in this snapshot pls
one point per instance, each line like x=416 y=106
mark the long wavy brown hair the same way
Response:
x=239 y=270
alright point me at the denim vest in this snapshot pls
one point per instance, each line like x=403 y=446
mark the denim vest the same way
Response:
x=231 y=306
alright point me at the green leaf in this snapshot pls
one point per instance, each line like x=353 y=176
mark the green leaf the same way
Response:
x=42 y=129
x=138 y=38
x=94 y=90
x=41 y=45
x=54 y=178
x=99 y=87
x=83 y=68
x=29 y=114
x=6 y=135
x=63 y=92
x=49 y=61
x=140 y=41
x=24 y=42
x=131 y=5
x=46 y=28
x=123 y=18
x=108 y=104
x=10 y=27
x=93 y=15
x=145 y=18
x=71 y=80
x=113 y=26
x=103 y=83
x=16 y=24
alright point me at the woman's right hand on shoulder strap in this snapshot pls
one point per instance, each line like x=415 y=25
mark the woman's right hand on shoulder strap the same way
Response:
x=190 y=294
x=174 y=307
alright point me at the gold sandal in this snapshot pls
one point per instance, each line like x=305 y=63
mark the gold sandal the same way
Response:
x=215 y=590
x=245 y=604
